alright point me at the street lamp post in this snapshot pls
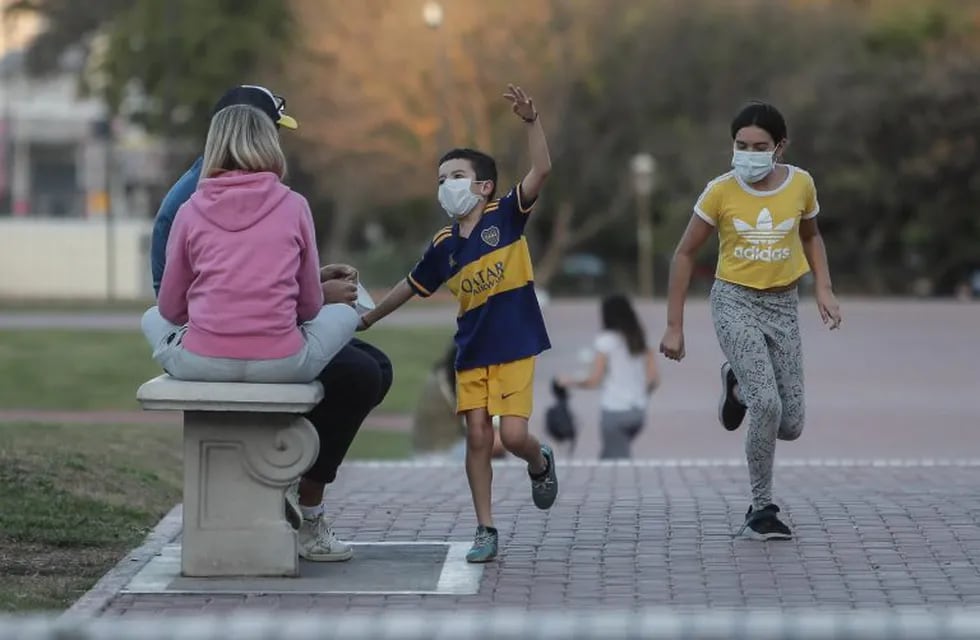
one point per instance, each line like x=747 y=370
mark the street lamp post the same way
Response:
x=433 y=16
x=103 y=183
x=6 y=157
x=644 y=169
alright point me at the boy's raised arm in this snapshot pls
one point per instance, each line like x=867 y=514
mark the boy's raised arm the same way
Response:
x=523 y=106
x=399 y=295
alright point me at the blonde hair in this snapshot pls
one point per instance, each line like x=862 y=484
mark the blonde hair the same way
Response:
x=242 y=138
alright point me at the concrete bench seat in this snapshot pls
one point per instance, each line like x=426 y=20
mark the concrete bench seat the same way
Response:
x=243 y=445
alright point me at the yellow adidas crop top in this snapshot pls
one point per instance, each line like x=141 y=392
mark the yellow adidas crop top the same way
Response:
x=759 y=242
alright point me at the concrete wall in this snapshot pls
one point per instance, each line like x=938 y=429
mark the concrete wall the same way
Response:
x=58 y=259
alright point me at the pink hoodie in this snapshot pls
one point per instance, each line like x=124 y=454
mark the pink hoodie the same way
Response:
x=242 y=268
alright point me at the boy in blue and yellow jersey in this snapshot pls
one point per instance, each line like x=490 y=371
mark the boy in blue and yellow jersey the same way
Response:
x=484 y=261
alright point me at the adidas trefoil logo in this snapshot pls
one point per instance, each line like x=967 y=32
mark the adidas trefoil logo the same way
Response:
x=761 y=237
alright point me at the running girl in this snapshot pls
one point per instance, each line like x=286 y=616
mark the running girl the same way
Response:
x=765 y=214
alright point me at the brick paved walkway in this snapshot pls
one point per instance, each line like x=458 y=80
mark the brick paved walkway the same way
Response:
x=898 y=381
x=653 y=534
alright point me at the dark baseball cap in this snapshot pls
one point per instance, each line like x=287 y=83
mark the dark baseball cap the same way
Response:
x=261 y=98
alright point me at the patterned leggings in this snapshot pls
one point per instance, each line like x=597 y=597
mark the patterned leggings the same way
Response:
x=759 y=333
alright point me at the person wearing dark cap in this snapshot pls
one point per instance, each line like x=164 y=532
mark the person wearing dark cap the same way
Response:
x=259 y=97
x=354 y=382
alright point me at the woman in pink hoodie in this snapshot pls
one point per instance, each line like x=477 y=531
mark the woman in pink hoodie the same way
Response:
x=240 y=299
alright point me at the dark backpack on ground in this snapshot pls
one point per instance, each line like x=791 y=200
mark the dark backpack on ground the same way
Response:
x=559 y=421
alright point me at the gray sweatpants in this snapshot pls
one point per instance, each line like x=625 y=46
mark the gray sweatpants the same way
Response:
x=759 y=334
x=323 y=337
x=618 y=429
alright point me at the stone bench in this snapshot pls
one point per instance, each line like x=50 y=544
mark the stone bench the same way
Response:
x=243 y=445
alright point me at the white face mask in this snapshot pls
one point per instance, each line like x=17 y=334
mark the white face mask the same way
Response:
x=456 y=197
x=752 y=166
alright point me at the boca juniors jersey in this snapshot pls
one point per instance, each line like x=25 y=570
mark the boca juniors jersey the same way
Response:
x=490 y=274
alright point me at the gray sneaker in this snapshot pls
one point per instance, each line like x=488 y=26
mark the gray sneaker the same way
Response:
x=484 y=547
x=318 y=543
x=544 y=488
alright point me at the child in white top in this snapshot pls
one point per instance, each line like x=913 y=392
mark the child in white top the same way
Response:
x=626 y=371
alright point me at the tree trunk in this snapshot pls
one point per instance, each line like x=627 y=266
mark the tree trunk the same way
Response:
x=565 y=237
x=337 y=249
x=549 y=264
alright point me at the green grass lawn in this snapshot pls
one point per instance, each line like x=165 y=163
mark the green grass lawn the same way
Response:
x=88 y=370
x=74 y=499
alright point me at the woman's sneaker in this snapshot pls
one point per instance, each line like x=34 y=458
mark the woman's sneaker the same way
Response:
x=318 y=543
x=484 y=547
x=544 y=486
x=731 y=411
x=764 y=524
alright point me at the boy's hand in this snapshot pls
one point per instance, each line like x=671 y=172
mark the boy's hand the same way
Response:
x=530 y=187
x=521 y=103
x=363 y=324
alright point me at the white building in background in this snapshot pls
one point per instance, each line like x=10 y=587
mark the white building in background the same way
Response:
x=58 y=176
x=54 y=157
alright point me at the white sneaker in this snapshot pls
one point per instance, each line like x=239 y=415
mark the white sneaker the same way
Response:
x=318 y=543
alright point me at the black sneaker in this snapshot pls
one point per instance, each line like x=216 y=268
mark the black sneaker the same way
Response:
x=731 y=412
x=764 y=524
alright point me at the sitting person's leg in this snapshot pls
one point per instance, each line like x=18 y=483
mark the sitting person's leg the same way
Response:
x=159 y=332
x=166 y=340
x=354 y=383
x=326 y=335
x=384 y=365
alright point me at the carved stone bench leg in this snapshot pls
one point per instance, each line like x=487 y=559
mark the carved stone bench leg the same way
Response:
x=236 y=468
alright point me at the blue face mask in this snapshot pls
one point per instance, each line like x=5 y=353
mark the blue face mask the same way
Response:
x=752 y=166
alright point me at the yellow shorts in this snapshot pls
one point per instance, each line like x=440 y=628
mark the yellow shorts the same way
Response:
x=502 y=389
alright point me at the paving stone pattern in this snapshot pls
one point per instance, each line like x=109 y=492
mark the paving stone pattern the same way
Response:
x=898 y=380
x=648 y=536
